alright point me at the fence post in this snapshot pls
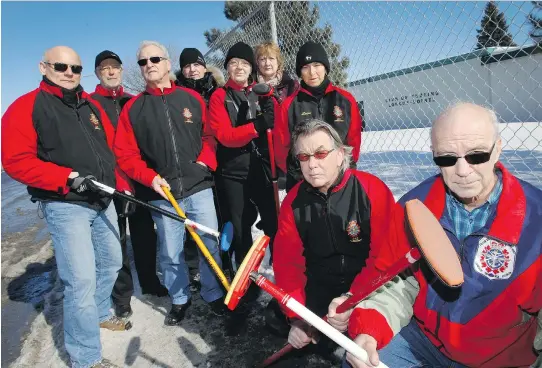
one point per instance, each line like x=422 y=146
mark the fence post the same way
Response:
x=273 y=22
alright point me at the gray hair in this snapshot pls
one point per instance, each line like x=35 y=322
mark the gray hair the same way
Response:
x=309 y=127
x=144 y=44
x=456 y=104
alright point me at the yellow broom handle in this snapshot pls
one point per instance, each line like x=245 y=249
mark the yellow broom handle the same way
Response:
x=198 y=241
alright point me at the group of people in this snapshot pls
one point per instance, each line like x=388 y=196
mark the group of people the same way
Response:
x=206 y=141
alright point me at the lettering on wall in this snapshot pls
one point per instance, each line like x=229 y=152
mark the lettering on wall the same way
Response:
x=412 y=99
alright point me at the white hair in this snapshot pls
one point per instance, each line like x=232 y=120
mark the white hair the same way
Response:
x=456 y=104
x=311 y=126
x=144 y=44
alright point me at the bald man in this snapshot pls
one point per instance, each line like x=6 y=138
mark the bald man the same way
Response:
x=494 y=220
x=55 y=139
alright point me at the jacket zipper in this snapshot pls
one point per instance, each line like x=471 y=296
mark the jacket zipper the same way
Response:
x=89 y=139
x=115 y=102
x=333 y=239
x=166 y=109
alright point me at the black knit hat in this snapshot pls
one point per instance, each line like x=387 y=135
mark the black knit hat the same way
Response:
x=106 y=54
x=242 y=51
x=310 y=52
x=190 y=56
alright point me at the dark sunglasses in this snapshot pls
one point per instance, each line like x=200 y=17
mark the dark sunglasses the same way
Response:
x=153 y=59
x=61 y=67
x=319 y=155
x=475 y=158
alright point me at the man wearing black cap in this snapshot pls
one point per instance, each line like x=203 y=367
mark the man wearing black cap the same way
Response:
x=317 y=98
x=195 y=75
x=111 y=96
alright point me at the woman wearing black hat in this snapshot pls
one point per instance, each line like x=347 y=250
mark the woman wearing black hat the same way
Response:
x=243 y=173
x=317 y=98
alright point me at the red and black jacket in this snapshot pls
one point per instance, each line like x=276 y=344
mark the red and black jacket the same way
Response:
x=166 y=133
x=112 y=101
x=337 y=107
x=324 y=241
x=50 y=132
x=232 y=110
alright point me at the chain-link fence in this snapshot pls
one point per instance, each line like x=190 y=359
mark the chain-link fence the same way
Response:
x=407 y=61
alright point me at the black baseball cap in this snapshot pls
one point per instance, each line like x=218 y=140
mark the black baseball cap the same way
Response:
x=106 y=54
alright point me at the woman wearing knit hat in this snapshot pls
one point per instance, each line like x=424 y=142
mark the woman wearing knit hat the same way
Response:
x=317 y=98
x=243 y=173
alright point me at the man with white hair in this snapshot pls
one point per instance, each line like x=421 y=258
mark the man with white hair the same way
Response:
x=163 y=139
x=56 y=139
x=493 y=220
x=329 y=228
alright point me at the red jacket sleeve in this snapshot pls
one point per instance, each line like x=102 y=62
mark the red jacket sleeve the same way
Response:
x=353 y=137
x=121 y=180
x=395 y=245
x=20 y=147
x=288 y=260
x=282 y=133
x=382 y=206
x=221 y=125
x=127 y=151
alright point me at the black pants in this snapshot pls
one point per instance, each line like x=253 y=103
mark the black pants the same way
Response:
x=241 y=200
x=144 y=240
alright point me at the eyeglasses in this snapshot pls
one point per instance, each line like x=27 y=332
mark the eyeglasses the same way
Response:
x=61 y=67
x=153 y=59
x=319 y=155
x=110 y=68
x=474 y=158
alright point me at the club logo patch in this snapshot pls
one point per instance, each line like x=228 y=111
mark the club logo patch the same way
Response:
x=187 y=115
x=308 y=58
x=338 y=113
x=495 y=260
x=95 y=122
x=353 y=230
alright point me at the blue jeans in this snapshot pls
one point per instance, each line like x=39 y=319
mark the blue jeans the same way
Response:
x=200 y=208
x=88 y=257
x=410 y=348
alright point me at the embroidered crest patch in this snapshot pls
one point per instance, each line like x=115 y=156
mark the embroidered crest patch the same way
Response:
x=187 y=115
x=94 y=120
x=494 y=260
x=338 y=113
x=353 y=230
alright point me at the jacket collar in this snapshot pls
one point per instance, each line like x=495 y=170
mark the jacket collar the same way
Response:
x=64 y=94
x=329 y=89
x=158 y=92
x=337 y=186
x=231 y=84
x=102 y=91
x=511 y=208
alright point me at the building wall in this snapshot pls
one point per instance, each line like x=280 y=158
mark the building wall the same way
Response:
x=512 y=87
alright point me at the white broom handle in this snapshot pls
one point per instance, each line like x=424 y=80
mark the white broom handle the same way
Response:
x=328 y=330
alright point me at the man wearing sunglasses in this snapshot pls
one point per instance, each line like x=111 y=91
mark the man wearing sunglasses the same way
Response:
x=54 y=140
x=163 y=139
x=494 y=220
x=112 y=97
x=330 y=226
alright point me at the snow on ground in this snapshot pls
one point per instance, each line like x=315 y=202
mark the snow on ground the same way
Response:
x=400 y=158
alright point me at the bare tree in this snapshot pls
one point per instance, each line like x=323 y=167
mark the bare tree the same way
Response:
x=133 y=81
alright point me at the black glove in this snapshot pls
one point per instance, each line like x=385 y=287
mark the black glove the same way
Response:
x=128 y=208
x=266 y=116
x=81 y=184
